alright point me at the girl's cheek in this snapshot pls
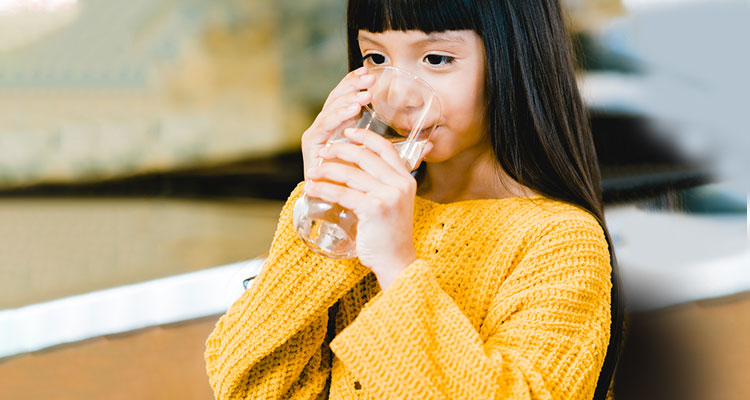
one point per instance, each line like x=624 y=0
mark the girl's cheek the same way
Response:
x=441 y=89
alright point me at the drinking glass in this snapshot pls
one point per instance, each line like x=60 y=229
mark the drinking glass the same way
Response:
x=405 y=110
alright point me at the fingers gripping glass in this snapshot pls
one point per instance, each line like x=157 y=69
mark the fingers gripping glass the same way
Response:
x=406 y=111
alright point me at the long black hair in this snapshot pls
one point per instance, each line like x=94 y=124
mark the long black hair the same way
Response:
x=537 y=122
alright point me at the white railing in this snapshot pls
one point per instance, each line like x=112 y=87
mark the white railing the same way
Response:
x=122 y=309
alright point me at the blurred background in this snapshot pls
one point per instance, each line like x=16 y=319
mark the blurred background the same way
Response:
x=146 y=149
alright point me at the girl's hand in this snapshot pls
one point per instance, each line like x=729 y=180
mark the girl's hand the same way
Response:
x=369 y=177
x=343 y=104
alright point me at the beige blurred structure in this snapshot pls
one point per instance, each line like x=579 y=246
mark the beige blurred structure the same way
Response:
x=54 y=248
x=102 y=90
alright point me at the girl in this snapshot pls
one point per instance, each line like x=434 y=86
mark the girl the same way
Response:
x=490 y=278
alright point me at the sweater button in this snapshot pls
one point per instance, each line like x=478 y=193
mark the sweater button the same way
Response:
x=357 y=385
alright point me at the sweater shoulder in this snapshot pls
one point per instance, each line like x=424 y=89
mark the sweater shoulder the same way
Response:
x=544 y=218
x=507 y=228
x=538 y=213
x=550 y=212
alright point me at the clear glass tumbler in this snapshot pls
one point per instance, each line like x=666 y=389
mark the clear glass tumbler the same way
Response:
x=405 y=110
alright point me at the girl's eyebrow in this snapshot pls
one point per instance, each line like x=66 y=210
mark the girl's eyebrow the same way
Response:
x=431 y=38
x=366 y=39
x=442 y=37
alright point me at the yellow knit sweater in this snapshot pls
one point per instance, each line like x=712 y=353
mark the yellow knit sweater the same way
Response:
x=509 y=299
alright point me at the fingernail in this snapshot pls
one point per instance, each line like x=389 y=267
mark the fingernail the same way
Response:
x=363 y=95
x=360 y=71
x=367 y=78
x=353 y=107
x=351 y=132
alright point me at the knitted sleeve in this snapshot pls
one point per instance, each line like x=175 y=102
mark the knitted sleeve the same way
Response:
x=272 y=342
x=544 y=337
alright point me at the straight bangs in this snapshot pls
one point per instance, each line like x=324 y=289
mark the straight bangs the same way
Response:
x=429 y=16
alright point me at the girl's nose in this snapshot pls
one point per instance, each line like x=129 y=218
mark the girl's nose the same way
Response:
x=398 y=98
x=404 y=95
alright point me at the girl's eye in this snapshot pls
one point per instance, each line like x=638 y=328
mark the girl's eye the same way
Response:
x=375 y=58
x=436 y=59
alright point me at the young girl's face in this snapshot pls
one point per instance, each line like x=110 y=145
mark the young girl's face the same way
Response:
x=453 y=63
